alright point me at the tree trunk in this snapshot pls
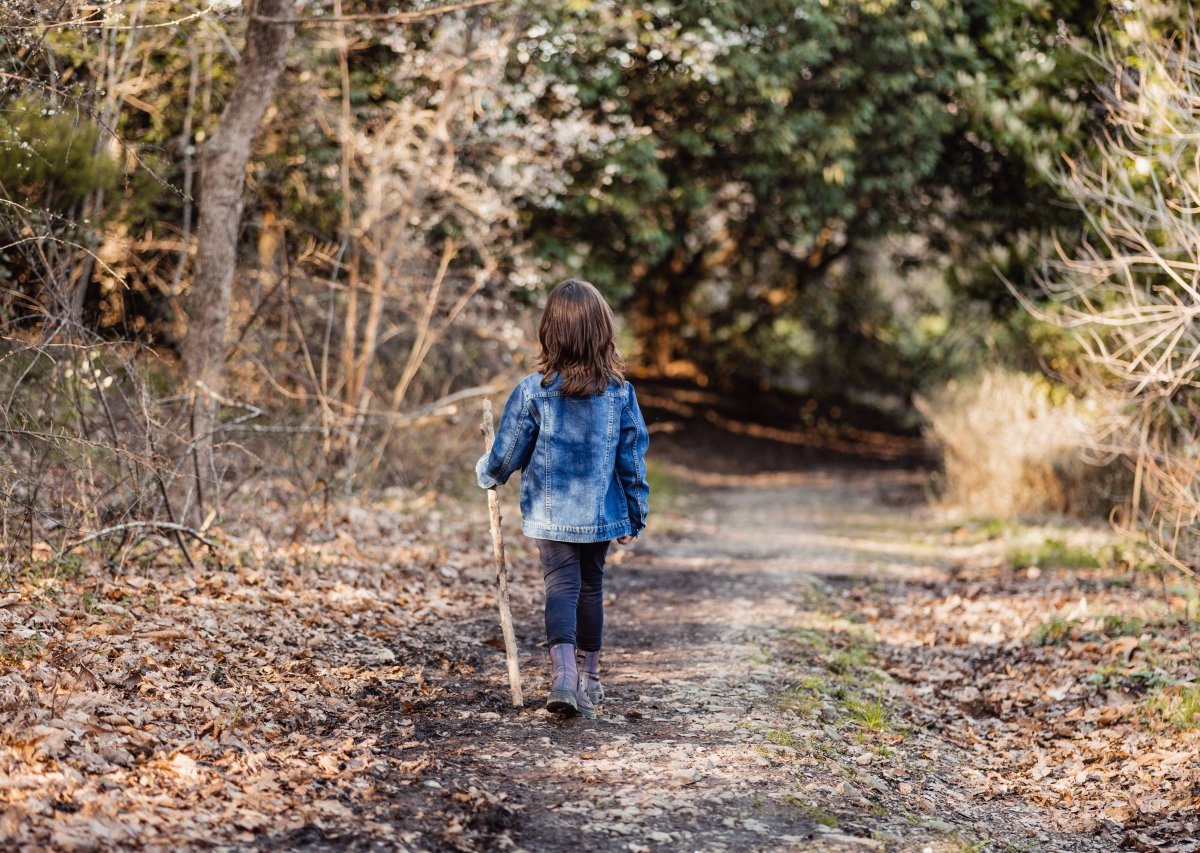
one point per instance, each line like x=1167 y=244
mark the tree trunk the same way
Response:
x=222 y=180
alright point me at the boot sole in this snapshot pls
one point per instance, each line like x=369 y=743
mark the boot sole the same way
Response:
x=562 y=703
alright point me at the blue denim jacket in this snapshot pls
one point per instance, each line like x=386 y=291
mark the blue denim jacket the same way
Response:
x=583 y=461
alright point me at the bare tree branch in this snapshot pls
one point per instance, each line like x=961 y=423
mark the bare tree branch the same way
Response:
x=388 y=17
x=146 y=525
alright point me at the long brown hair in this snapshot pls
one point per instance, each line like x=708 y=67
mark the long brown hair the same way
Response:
x=576 y=334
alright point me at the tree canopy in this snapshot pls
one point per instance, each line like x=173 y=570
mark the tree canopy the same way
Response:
x=772 y=140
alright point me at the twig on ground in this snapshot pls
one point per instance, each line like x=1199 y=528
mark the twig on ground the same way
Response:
x=146 y=525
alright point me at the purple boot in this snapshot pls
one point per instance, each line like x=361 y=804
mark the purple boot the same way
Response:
x=589 y=673
x=566 y=696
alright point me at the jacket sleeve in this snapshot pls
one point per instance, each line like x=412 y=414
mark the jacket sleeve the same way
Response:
x=631 y=461
x=515 y=438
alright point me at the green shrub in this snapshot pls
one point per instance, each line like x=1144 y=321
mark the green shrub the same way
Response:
x=48 y=157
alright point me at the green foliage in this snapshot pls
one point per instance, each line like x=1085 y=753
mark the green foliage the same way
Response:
x=1179 y=706
x=1055 y=632
x=800 y=192
x=871 y=714
x=1113 y=676
x=784 y=738
x=849 y=659
x=16 y=649
x=1116 y=625
x=800 y=701
x=818 y=113
x=58 y=567
x=774 y=143
x=50 y=158
x=1146 y=679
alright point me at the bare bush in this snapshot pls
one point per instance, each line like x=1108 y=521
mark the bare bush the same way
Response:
x=1131 y=291
x=88 y=439
x=424 y=299
x=1014 y=444
x=90 y=451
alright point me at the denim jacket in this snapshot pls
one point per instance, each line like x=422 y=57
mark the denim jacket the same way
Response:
x=583 y=461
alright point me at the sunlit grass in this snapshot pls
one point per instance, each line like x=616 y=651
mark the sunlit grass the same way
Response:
x=983 y=529
x=1054 y=632
x=815 y=640
x=801 y=701
x=1055 y=554
x=812 y=811
x=1178 y=706
x=847 y=660
x=779 y=737
x=824 y=624
x=871 y=714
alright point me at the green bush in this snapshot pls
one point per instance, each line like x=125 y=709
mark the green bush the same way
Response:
x=50 y=158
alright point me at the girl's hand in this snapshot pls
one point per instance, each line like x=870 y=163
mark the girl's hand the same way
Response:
x=625 y=540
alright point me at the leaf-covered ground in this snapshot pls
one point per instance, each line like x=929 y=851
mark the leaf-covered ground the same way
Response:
x=800 y=656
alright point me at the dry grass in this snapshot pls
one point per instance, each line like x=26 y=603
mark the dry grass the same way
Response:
x=1131 y=289
x=1013 y=444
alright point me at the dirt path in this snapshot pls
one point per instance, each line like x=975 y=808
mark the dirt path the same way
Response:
x=746 y=710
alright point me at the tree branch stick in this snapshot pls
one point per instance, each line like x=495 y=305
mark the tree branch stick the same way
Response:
x=506 y=624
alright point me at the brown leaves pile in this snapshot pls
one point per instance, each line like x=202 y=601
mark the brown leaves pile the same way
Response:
x=1074 y=690
x=147 y=702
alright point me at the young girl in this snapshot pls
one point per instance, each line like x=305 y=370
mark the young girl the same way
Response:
x=576 y=433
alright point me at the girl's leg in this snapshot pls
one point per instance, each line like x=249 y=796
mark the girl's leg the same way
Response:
x=560 y=570
x=590 y=618
x=590 y=611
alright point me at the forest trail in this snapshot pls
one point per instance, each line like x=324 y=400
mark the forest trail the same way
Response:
x=722 y=731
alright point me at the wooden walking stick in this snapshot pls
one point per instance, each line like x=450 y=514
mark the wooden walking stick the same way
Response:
x=506 y=623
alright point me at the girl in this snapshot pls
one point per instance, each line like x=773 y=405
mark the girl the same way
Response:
x=576 y=433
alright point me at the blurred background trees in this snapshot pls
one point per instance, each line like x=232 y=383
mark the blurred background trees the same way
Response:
x=846 y=200
x=807 y=168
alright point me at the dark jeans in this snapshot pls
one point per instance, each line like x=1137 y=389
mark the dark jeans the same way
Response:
x=574 y=575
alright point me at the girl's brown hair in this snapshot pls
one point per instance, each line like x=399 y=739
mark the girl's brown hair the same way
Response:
x=576 y=334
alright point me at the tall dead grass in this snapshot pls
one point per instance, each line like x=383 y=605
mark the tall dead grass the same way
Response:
x=1014 y=444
